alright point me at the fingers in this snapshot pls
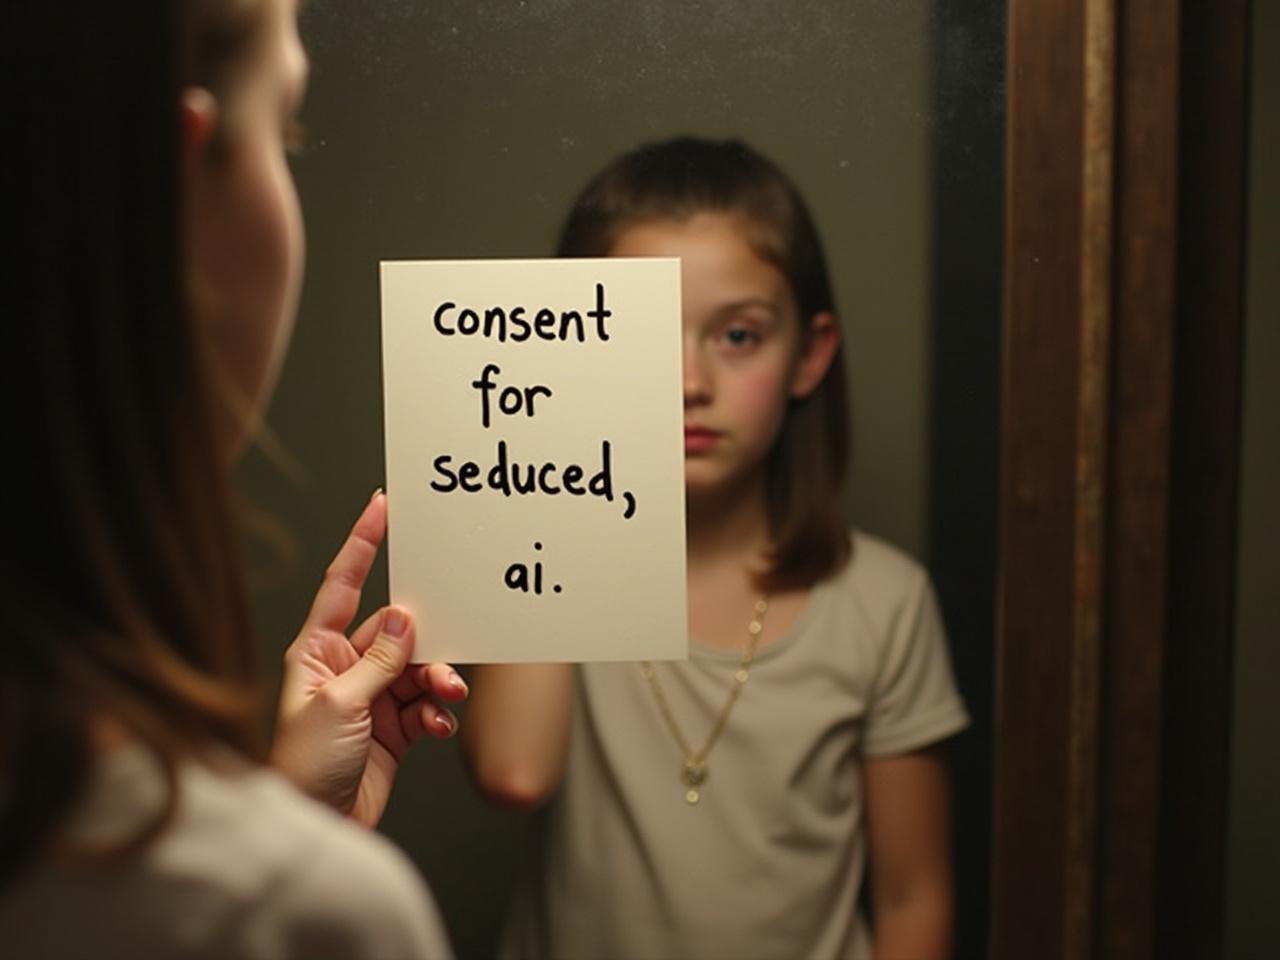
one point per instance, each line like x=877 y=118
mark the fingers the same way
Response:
x=443 y=681
x=398 y=725
x=382 y=661
x=419 y=692
x=367 y=632
x=423 y=718
x=338 y=598
x=438 y=680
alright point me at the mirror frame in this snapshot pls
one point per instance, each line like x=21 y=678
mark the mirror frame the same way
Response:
x=1123 y=312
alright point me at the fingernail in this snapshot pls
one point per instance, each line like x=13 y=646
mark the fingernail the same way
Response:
x=395 y=622
x=444 y=722
x=374 y=496
x=457 y=682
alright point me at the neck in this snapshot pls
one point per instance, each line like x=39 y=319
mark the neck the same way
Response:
x=728 y=527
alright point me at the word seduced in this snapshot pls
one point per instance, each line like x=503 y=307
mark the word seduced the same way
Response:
x=510 y=477
x=513 y=323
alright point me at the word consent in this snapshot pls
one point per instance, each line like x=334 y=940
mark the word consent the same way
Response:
x=503 y=324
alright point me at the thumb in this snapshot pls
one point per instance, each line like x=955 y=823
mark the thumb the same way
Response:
x=382 y=663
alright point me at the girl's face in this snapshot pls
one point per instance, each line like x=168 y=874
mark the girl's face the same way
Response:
x=244 y=224
x=746 y=352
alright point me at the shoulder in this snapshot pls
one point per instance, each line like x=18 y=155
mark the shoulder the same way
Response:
x=878 y=562
x=245 y=867
x=881 y=583
x=913 y=700
x=295 y=874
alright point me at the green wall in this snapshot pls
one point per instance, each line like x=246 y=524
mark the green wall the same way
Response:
x=1253 y=852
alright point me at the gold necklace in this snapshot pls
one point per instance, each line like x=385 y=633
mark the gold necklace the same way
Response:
x=694 y=771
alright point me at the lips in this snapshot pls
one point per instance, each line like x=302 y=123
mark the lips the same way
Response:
x=699 y=439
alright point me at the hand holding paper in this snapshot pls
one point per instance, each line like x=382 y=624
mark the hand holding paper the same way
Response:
x=350 y=707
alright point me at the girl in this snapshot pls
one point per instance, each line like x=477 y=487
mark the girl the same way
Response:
x=147 y=301
x=725 y=807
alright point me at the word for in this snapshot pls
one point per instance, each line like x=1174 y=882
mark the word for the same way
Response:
x=511 y=400
x=508 y=477
x=517 y=576
x=495 y=323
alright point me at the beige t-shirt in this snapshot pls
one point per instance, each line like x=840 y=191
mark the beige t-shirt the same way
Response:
x=249 y=868
x=769 y=863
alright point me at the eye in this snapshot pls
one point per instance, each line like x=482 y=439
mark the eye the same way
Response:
x=739 y=337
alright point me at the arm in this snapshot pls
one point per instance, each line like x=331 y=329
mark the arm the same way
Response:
x=517 y=732
x=909 y=823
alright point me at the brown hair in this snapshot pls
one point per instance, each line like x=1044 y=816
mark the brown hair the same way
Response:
x=676 y=179
x=122 y=589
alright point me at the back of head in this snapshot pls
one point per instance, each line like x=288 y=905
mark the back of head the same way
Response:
x=676 y=179
x=122 y=596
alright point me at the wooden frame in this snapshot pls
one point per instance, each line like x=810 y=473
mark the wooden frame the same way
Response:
x=1122 y=318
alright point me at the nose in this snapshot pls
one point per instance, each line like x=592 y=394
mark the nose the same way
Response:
x=697 y=377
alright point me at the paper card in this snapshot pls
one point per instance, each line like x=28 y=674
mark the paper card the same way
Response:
x=535 y=458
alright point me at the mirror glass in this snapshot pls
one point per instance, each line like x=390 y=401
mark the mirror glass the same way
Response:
x=464 y=129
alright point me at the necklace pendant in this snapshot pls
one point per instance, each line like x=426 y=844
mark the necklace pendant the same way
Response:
x=694 y=774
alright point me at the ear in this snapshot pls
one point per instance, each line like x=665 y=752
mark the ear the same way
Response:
x=819 y=348
x=199 y=120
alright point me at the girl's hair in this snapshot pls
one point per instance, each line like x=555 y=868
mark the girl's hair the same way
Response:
x=676 y=179
x=121 y=590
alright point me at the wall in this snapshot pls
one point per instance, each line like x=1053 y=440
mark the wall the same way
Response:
x=965 y=335
x=1253 y=850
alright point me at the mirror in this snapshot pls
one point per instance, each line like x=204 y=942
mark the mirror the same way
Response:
x=462 y=129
